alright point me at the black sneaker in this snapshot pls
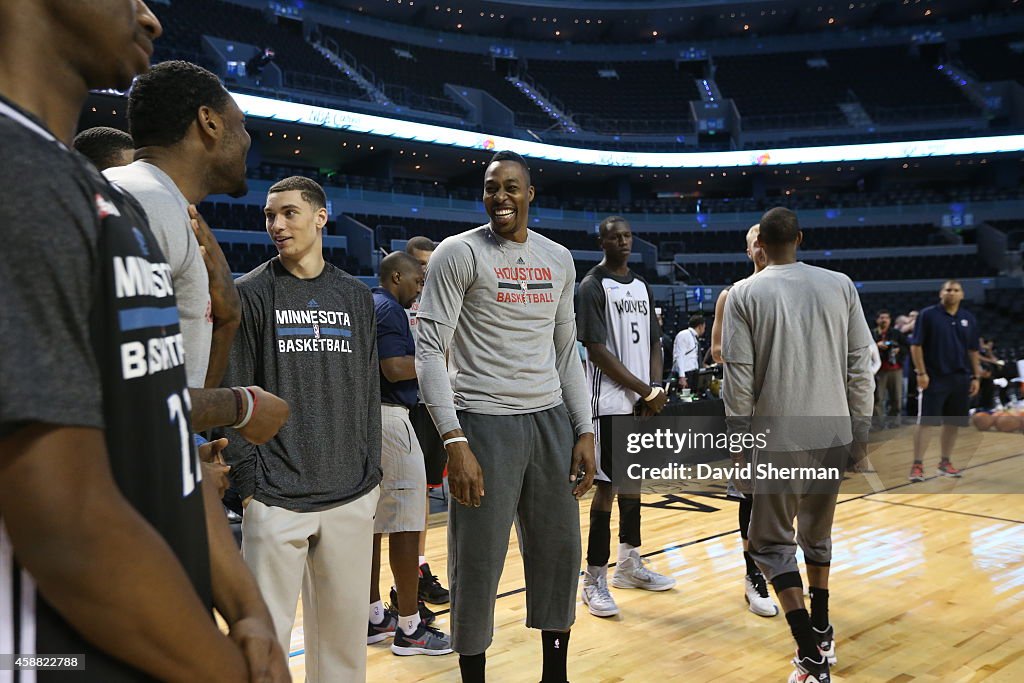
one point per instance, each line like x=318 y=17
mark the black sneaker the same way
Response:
x=827 y=644
x=431 y=589
x=426 y=616
x=384 y=630
x=425 y=640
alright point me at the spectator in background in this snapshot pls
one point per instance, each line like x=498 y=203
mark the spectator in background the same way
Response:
x=666 y=341
x=892 y=349
x=909 y=383
x=992 y=369
x=422 y=248
x=908 y=324
x=945 y=353
x=686 y=349
x=400 y=510
x=105 y=147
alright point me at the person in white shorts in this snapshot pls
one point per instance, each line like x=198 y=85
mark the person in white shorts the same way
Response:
x=400 y=510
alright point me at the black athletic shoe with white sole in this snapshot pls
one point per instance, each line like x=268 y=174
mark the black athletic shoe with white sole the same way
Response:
x=425 y=640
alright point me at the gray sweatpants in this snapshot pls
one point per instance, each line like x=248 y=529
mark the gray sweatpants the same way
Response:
x=525 y=461
x=773 y=539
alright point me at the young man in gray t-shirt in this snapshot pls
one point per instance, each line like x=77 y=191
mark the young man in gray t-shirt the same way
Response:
x=499 y=301
x=309 y=333
x=794 y=316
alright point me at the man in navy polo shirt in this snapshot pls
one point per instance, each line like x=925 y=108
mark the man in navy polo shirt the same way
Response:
x=944 y=348
x=401 y=510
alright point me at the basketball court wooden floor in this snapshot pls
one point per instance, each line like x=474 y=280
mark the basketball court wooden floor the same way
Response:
x=927 y=585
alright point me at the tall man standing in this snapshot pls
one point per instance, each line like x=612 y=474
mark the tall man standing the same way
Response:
x=400 y=511
x=892 y=350
x=308 y=333
x=521 y=447
x=430 y=589
x=793 y=310
x=192 y=142
x=615 y=320
x=686 y=349
x=944 y=348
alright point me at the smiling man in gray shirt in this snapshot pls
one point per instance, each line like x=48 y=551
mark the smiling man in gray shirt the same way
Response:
x=500 y=299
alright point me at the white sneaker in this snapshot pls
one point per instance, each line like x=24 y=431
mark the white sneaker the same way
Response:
x=596 y=596
x=757 y=597
x=631 y=573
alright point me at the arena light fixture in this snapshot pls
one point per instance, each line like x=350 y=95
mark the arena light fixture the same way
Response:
x=335 y=119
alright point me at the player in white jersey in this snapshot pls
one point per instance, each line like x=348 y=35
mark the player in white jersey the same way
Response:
x=755 y=587
x=615 y=320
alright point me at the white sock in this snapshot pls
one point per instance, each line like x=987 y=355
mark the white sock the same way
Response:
x=594 y=570
x=409 y=624
x=423 y=560
x=624 y=549
x=377 y=612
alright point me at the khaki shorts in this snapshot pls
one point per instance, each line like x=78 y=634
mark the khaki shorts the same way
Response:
x=403 y=491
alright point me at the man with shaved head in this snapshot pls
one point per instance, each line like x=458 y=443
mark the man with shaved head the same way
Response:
x=944 y=349
x=401 y=510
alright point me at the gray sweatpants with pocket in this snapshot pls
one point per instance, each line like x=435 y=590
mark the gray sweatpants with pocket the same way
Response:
x=525 y=461
x=812 y=505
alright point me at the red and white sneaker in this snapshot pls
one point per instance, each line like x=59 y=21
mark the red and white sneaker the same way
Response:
x=810 y=671
x=917 y=472
x=946 y=469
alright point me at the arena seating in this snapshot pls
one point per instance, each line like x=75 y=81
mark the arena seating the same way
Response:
x=645 y=97
x=895 y=87
x=185 y=22
x=243 y=257
x=816 y=239
x=763 y=87
x=419 y=77
x=991 y=59
x=1014 y=230
x=891 y=83
x=860 y=269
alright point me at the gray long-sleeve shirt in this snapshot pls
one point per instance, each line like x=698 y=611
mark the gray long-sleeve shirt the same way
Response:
x=505 y=310
x=313 y=343
x=796 y=344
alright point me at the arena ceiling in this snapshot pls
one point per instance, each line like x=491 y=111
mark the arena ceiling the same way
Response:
x=648 y=21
